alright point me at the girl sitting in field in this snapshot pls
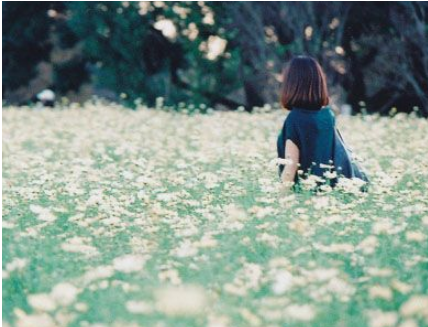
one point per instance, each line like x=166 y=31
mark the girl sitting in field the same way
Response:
x=309 y=140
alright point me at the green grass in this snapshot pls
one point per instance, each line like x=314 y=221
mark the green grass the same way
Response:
x=151 y=218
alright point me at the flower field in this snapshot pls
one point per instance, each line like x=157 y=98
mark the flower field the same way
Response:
x=113 y=217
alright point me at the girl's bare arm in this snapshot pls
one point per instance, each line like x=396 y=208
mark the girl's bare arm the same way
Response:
x=291 y=153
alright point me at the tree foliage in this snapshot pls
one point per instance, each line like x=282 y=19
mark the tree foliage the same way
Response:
x=227 y=53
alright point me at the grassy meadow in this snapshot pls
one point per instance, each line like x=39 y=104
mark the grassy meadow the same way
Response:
x=113 y=217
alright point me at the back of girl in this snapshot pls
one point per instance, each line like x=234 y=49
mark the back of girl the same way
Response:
x=313 y=133
x=307 y=137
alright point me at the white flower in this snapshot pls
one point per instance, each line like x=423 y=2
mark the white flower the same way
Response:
x=330 y=174
x=16 y=264
x=111 y=221
x=185 y=249
x=283 y=281
x=43 y=214
x=64 y=293
x=185 y=300
x=368 y=245
x=76 y=245
x=401 y=287
x=234 y=213
x=415 y=236
x=378 y=318
x=100 y=272
x=282 y=161
x=326 y=166
x=129 y=263
x=301 y=312
x=335 y=248
x=42 y=302
x=139 y=307
x=35 y=320
x=350 y=185
x=381 y=292
x=416 y=305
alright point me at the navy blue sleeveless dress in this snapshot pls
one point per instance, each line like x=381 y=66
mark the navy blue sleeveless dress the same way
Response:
x=315 y=134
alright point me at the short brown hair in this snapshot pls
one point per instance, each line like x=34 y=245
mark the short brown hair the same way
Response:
x=304 y=84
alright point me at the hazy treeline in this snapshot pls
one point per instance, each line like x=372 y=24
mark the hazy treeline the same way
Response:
x=226 y=54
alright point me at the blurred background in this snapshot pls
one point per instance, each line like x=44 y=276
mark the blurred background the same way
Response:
x=224 y=55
